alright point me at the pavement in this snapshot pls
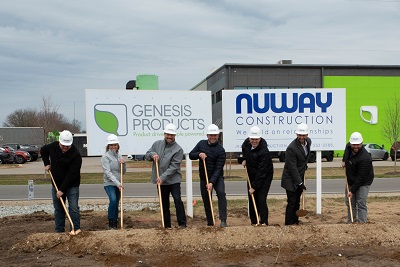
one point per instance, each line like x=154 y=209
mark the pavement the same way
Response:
x=148 y=190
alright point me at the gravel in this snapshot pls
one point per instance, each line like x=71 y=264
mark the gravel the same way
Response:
x=29 y=208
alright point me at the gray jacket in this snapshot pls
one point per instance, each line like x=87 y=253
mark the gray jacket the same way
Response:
x=295 y=165
x=170 y=158
x=110 y=162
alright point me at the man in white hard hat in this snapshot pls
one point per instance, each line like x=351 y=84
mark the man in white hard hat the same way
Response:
x=111 y=162
x=258 y=163
x=169 y=154
x=64 y=161
x=296 y=158
x=360 y=175
x=212 y=152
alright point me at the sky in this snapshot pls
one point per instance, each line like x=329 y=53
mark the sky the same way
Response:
x=58 y=49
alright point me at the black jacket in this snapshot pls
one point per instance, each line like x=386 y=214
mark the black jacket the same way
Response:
x=295 y=165
x=359 y=168
x=258 y=163
x=65 y=167
x=215 y=160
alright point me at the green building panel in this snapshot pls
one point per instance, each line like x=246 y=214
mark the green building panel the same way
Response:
x=374 y=93
x=147 y=82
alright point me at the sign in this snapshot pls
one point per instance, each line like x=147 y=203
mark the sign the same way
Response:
x=138 y=118
x=278 y=112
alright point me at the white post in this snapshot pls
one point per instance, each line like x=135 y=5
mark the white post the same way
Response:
x=319 y=183
x=31 y=192
x=189 y=187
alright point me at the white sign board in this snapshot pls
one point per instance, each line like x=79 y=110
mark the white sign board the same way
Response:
x=278 y=112
x=138 y=118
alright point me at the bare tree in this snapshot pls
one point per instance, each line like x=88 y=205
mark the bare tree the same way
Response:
x=22 y=118
x=391 y=124
x=47 y=117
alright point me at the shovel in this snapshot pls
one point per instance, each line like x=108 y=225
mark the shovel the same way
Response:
x=65 y=209
x=254 y=202
x=122 y=197
x=302 y=212
x=209 y=192
x=351 y=209
x=159 y=196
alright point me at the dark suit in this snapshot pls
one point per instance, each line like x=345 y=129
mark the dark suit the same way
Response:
x=293 y=175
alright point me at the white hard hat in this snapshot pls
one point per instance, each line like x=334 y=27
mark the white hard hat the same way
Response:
x=65 y=138
x=255 y=132
x=302 y=129
x=212 y=129
x=112 y=139
x=356 y=138
x=170 y=129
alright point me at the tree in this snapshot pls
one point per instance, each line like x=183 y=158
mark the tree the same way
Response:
x=47 y=117
x=391 y=124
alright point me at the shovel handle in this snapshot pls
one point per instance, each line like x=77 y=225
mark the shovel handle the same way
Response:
x=63 y=204
x=254 y=202
x=159 y=195
x=349 y=198
x=122 y=197
x=209 y=192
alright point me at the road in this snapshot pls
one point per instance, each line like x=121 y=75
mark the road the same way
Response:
x=148 y=190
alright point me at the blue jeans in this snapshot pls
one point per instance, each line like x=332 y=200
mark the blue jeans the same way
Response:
x=175 y=190
x=72 y=194
x=114 y=195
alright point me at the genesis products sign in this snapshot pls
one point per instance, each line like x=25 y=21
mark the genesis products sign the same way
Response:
x=278 y=112
x=138 y=118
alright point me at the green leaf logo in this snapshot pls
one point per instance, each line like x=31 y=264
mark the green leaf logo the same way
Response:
x=106 y=121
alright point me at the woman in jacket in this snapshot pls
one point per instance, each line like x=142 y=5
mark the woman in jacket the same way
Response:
x=111 y=162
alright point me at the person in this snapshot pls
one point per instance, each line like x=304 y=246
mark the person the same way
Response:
x=296 y=158
x=64 y=161
x=260 y=170
x=360 y=175
x=111 y=163
x=212 y=152
x=168 y=153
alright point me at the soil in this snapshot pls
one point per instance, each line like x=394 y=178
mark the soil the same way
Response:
x=319 y=240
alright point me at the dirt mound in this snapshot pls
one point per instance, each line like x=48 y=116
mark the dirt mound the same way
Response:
x=320 y=240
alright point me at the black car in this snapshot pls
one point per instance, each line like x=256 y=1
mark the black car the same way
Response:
x=328 y=155
x=34 y=151
x=6 y=156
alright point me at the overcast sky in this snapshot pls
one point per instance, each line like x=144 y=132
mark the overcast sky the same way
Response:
x=60 y=48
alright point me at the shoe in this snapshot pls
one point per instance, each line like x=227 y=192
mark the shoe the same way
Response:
x=210 y=224
x=223 y=223
x=182 y=226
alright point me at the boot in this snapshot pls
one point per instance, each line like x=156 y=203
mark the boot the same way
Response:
x=110 y=224
x=115 y=226
x=223 y=223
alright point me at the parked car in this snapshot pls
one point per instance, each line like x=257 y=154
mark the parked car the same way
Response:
x=20 y=156
x=136 y=157
x=376 y=151
x=6 y=156
x=328 y=155
x=33 y=150
x=395 y=147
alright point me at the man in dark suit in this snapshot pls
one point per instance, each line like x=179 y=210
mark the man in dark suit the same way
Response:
x=296 y=158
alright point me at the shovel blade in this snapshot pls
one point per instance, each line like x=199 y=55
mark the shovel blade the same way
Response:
x=301 y=213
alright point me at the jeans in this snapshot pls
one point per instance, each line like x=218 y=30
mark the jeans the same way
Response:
x=72 y=194
x=219 y=188
x=114 y=195
x=358 y=205
x=293 y=204
x=175 y=190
